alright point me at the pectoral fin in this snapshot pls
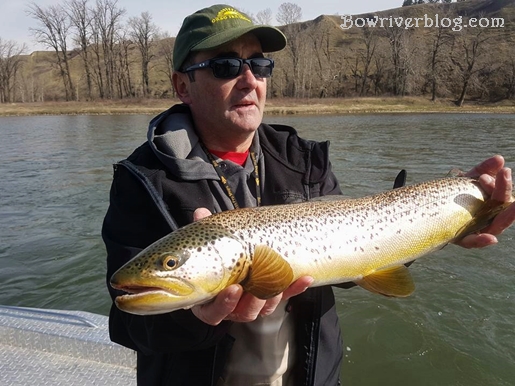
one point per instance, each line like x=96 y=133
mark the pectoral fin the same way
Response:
x=269 y=273
x=394 y=282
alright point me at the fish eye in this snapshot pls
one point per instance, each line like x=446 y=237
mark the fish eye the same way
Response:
x=170 y=262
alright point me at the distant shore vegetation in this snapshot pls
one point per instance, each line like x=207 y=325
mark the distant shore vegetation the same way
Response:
x=275 y=106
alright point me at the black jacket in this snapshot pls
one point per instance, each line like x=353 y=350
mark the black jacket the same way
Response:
x=147 y=202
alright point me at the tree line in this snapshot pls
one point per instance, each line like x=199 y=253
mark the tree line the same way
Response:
x=444 y=61
x=97 y=53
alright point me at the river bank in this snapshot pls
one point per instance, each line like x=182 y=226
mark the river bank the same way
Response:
x=275 y=106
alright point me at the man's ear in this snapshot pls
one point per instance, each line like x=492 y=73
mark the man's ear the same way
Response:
x=181 y=84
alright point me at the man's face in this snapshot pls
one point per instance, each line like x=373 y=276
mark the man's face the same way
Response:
x=227 y=109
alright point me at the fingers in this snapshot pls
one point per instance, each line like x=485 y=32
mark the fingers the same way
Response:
x=490 y=166
x=235 y=305
x=200 y=213
x=270 y=305
x=502 y=192
x=500 y=189
x=298 y=287
x=250 y=307
x=225 y=302
x=502 y=221
x=480 y=240
x=503 y=186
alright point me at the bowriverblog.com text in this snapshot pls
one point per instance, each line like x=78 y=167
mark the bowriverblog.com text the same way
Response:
x=432 y=21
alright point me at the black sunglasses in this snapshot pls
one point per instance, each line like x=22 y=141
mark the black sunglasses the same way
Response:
x=229 y=68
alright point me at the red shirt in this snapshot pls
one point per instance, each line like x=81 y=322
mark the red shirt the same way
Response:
x=238 y=158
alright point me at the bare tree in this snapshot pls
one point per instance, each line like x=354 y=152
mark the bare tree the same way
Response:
x=81 y=19
x=395 y=37
x=379 y=75
x=439 y=41
x=467 y=51
x=401 y=53
x=327 y=65
x=53 y=32
x=165 y=45
x=289 y=13
x=10 y=63
x=367 y=55
x=106 y=22
x=509 y=77
x=264 y=17
x=97 y=70
x=143 y=31
x=355 y=70
x=331 y=59
x=294 y=49
x=122 y=70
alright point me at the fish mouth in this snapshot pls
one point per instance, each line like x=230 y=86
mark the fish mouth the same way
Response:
x=170 y=287
x=137 y=290
x=141 y=287
x=149 y=302
x=142 y=299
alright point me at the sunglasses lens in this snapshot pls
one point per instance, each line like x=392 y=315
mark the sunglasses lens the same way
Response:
x=262 y=68
x=226 y=68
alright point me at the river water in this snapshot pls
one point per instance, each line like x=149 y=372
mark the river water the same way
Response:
x=456 y=329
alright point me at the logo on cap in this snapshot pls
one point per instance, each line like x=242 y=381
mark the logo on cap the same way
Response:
x=229 y=13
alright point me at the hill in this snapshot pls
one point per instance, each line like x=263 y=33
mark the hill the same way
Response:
x=465 y=54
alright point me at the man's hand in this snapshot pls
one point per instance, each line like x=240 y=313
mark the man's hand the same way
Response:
x=496 y=181
x=234 y=304
x=238 y=306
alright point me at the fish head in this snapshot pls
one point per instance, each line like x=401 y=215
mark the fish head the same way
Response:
x=187 y=267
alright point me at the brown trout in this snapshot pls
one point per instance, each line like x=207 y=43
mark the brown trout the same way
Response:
x=334 y=239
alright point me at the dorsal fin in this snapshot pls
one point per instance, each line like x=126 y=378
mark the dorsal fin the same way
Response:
x=400 y=180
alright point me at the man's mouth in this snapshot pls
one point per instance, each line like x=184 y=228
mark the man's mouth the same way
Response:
x=244 y=105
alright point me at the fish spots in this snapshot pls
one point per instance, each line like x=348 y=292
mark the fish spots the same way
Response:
x=306 y=233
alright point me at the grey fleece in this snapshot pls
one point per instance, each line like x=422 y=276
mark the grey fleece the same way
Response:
x=175 y=142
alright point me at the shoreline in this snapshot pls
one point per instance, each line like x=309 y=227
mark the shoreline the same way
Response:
x=275 y=106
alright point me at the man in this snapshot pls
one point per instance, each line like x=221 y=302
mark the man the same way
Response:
x=213 y=153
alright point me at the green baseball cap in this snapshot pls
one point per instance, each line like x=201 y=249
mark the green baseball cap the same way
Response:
x=219 y=24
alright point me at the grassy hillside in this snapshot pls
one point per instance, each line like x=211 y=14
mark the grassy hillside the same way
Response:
x=324 y=60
